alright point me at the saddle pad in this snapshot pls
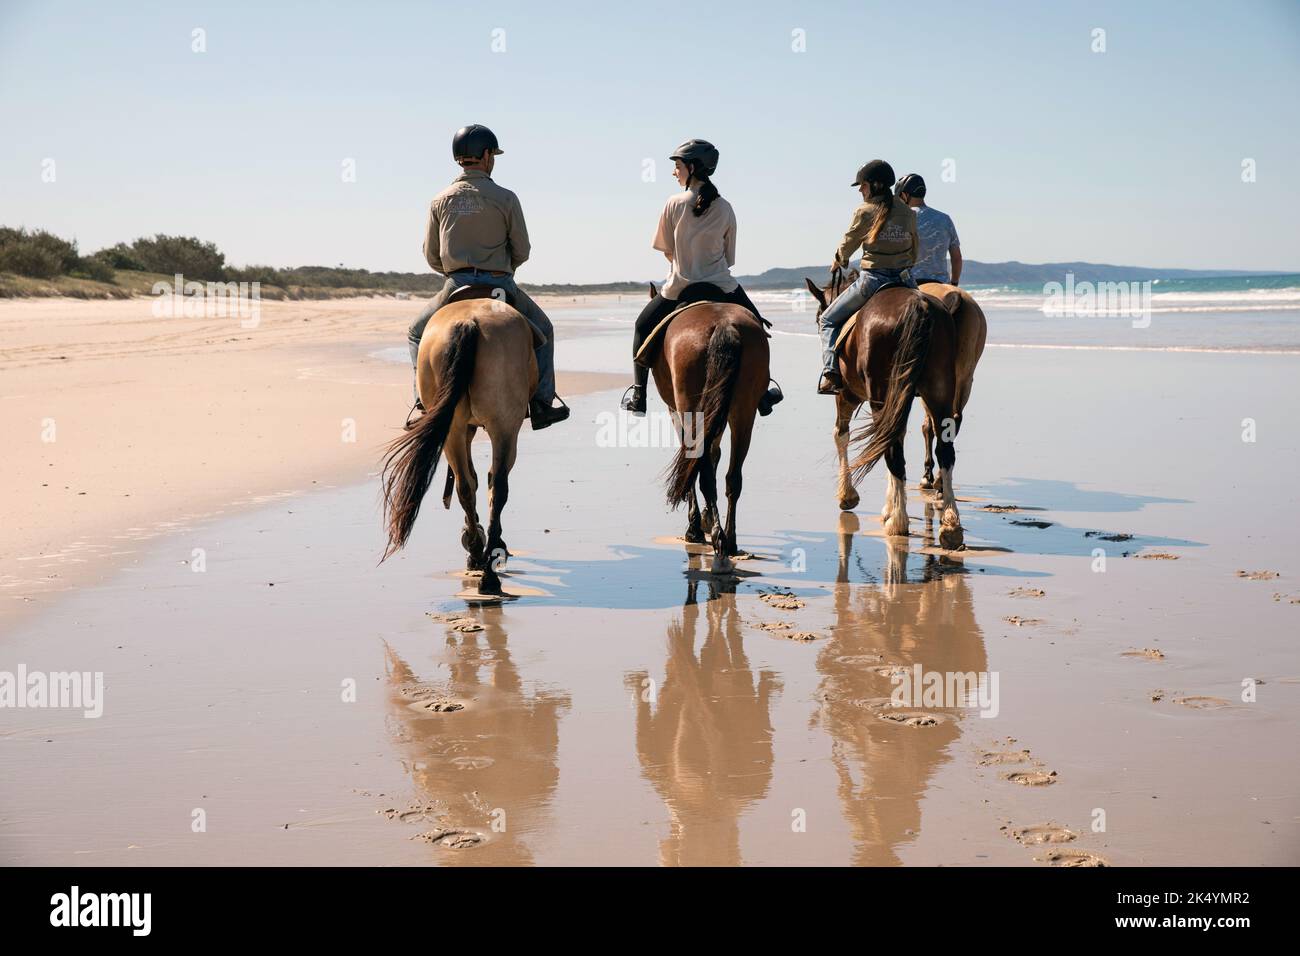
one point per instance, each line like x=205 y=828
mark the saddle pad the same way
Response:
x=651 y=341
x=845 y=329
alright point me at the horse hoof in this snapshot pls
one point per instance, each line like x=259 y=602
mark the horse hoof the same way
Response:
x=848 y=504
x=693 y=536
x=896 y=527
x=951 y=539
x=721 y=564
x=489 y=584
x=927 y=483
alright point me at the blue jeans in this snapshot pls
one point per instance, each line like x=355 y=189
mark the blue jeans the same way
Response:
x=527 y=307
x=848 y=302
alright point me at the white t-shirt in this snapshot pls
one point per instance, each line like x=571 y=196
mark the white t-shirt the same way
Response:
x=703 y=248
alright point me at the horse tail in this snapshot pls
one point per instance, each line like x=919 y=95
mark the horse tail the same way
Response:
x=412 y=459
x=700 y=430
x=888 y=426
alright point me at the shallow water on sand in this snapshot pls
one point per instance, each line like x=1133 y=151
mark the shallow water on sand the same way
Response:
x=633 y=710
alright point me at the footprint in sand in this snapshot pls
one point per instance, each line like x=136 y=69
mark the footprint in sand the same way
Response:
x=466 y=625
x=1027 y=592
x=1146 y=653
x=1258 y=575
x=1102 y=536
x=1157 y=556
x=1201 y=702
x=472 y=763
x=853 y=660
x=1032 y=523
x=1039 y=833
x=451 y=839
x=890 y=670
x=787 y=631
x=416 y=812
x=993 y=758
x=436 y=705
x=781 y=600
x=1032 y=778
x=1067 y=857
x=912 y=718
x=1019 y=621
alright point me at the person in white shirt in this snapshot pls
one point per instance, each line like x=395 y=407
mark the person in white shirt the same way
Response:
x=697 y=234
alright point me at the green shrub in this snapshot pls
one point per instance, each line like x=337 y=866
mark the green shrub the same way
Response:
x=38 y=254
x=96 y=267
x=121 y=256
x=191 y=257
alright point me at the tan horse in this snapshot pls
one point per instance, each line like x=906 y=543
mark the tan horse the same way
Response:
x=711 y=369
x=476 y=369
x=972 y=330
x=904 y=344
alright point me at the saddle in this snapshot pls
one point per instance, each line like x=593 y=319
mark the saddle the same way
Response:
x=694 y=294
x=847 y=327
x=467 y=292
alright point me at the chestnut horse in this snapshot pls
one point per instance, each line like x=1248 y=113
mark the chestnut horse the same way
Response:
x=904 y=344
x=476 y=369
x=711 y=370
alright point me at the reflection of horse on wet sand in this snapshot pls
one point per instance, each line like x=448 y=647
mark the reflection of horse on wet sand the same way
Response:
x=489 y=769
x=885 y=765
x=904 y=344
x=705 y=739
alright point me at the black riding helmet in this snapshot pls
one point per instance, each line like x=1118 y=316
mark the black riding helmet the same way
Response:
x=912 y=184
x=470 y=142
x=875 y=173
x=697 y=154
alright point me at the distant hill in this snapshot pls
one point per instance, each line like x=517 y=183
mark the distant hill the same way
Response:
x=974 y=272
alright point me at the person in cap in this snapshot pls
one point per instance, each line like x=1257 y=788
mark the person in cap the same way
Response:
x=885 y=228
x=697 y=234
x=476 y=236
x=938 y=235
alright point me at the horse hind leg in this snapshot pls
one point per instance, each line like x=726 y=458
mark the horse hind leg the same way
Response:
x=927 y=433
x=504 y=447
x=844 y=409
x=951 y=536
x=741 y=433
x=472 y=538
x=708 y=482
x=895 y=510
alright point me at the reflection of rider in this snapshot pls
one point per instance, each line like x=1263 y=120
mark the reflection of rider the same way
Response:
x=476 y=236
x=886 y=230
x=697 y=234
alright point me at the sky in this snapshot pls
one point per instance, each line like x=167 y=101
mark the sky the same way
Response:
x=1039 y=145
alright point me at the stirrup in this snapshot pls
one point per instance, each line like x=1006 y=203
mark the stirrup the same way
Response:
x=771 y=397
x=831 y=383
x=633 y=400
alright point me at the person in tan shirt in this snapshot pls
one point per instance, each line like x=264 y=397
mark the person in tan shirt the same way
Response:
x=885 y=228
x=697 y=235
x=476 y=236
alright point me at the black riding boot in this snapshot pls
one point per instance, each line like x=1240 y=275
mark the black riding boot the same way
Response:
x=634 y=397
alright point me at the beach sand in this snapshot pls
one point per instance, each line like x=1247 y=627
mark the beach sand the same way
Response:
x=307 y=705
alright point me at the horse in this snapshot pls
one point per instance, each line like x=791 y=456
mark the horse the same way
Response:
x=711 y=370
x=972 y=330
x=903 y=344
x=476 y=369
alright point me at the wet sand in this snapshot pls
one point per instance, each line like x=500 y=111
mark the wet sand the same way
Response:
x=630 y=710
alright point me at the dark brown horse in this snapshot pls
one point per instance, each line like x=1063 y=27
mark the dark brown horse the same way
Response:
x=711 y=369
x=903 y=345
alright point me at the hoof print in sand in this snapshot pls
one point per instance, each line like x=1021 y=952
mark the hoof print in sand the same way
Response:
x=472 y=763
x=1103 y=536
x=1019 y=621
x=1027 y=592
x=436 y=705
x=1040 y=833
x=912 y=718
x=781 y=600
x=1157 y=556
x=1201 y=702
x=1066 y=857
x=1032 y=523
x=1258 y=575
x=787 y=630
x=466 y=625
x=1032 y=778
x=451 y=839
x=1146 y=653
x=993 y=758
x=854 y=660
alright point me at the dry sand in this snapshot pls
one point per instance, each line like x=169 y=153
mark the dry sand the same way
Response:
x=311 y=707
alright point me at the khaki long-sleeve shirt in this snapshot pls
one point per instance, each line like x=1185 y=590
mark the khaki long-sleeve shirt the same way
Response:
x=895 y=247
x=476 y=224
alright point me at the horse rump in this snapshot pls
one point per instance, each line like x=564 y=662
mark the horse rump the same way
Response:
x=702 y=429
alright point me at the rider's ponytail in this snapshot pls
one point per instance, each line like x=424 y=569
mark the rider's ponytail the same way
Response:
x=884 y=203
x=708 y=193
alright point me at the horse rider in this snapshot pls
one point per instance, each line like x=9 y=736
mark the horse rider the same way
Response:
x=476 y=236
x=885 y=228
x=938 y=235
x=697 y=234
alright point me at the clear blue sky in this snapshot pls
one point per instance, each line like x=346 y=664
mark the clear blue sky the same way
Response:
x=1131 y=156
